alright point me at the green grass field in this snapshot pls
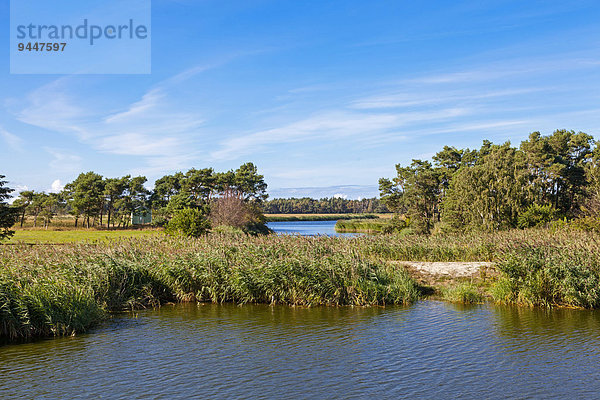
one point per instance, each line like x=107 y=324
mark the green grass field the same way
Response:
x=82 y=235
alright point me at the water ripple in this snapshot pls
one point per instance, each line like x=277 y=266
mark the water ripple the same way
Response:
x=431 y=349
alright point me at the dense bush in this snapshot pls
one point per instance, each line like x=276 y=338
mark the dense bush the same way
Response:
x=190 y=222
x=536 y=215
x=589 y=224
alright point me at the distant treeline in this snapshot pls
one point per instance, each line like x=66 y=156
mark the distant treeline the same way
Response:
x=545 y=179
x=319 y=217
x=328 y=205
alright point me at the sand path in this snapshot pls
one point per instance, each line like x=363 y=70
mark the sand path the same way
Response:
x=452 y=269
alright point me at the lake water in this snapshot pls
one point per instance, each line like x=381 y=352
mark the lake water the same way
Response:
x=428 y=350
x=307 y=228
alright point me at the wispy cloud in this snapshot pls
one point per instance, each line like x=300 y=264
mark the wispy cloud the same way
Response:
x=452 y=102
x=52 y=107
x=150 y=100
x=412 y=98
x=14 y=142
x=153 y=126
x=335 y=125
x=64 y=161
x=509 y=68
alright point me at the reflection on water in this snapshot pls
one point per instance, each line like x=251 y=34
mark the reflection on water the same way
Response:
x=428 y=350
x=307 y=228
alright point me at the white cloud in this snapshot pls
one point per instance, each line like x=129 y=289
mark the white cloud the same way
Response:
x=452 y=102
x=56 y=187
x=340 y=196
x=509 y=68
x=138 y=144
x=413 y=97
x=52 y=107
x=149 y=101
x=15 y=194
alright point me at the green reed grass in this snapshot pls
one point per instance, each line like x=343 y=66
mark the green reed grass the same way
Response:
x=55 y=290
x=464 y=292
x=64 y=289
x=360 y=225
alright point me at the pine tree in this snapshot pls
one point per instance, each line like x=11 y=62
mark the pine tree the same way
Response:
x=8 y=215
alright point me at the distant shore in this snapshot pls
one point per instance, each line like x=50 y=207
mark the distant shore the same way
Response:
x=323 y=217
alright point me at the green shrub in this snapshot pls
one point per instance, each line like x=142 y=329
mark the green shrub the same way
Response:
x=397 y=224
x=588 y=224
x=188 y=222
x=537 y=215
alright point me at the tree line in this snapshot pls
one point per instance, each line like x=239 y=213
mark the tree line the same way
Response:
x=499 y=186
x=94 y=200
x=328 y=205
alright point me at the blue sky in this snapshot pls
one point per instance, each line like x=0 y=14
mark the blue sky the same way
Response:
x=322 y=95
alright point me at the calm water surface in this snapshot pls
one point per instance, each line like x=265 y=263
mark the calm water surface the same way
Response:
x=307 y=228
x=428 y=350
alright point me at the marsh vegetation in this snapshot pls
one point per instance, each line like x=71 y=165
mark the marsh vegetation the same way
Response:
x=55 y=290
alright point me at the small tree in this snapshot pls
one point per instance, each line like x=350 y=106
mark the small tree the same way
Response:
x=86 y=196
x=414 y=191
x=8 y=215
x=231 y=210
x=37 y=206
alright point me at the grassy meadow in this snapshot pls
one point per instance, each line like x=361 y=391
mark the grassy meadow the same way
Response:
x=62 y=230
x=30 y=236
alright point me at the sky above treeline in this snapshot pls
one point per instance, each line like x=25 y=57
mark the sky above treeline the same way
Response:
x=325 y=97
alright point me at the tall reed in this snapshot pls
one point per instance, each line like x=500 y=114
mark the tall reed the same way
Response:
x=64 y=289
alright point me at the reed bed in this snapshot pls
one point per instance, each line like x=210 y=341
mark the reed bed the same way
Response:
x=58 y=290
x=65 y=289
x=464 y=292
x=361 y=225
x=536 y=267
